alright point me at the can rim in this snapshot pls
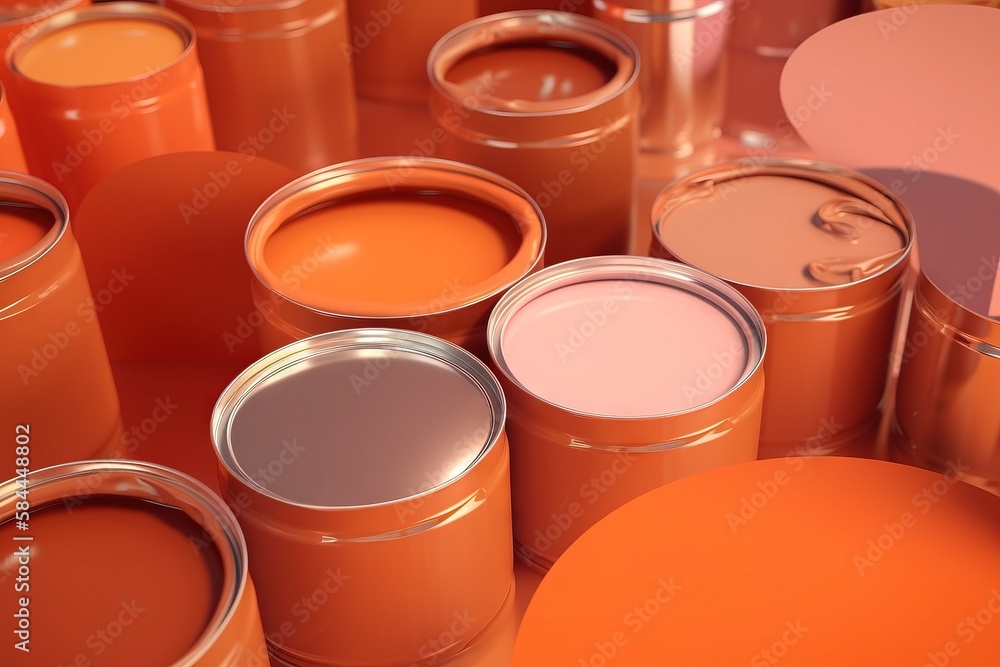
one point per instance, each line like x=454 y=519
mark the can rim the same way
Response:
x=840 y=178
x=590 y=33
x=270 y=215
x=306 y=350
x=626 y=267
x=112 y=10
x=42 y=12
x=33 y=192
x=183 y=488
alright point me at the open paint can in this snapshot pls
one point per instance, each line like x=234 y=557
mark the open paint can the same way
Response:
x=371 y=469
x=123 y=563
x=408 y=243
x=622 y=374
x=55 y=377
x=822 y=253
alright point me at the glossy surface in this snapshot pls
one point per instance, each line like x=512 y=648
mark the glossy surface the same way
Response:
x=360 y=427
x=22 y=228
x=384 y=249
x=762 y=549
x=624 y=348
x=100 y=52
x=770 y=230
x=116 y=581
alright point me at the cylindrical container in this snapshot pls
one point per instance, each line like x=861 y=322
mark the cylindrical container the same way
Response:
x=56 y=378
x=682 y=47
x=279 y=79
x=390 y=41
x=763 y=36
x=122 y=563
x=16 y=16
x=373 y=471
x=11 y=155
x=96 y=89
x=551 y=101
x=621 y=374
x=946 y=398
x=420 y=244
x=822 y=253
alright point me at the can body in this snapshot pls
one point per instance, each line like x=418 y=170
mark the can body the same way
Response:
x=74 y=135
x=56 y=372
x=682 y=49
x=829 y=344
x=414 y=578
x=279 y=81
x=571 y=465
x=946 y=415
x=463 y=273
x=764 y=34
x=140 y=494
x=576 y=157
x=11 y=155
x=390 y=41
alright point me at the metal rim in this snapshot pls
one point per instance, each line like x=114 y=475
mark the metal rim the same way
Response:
x=24 y=190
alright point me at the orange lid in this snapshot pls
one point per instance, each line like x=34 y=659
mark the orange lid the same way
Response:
x=803 y=561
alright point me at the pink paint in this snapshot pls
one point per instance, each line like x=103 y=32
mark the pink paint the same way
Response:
x=624 y=348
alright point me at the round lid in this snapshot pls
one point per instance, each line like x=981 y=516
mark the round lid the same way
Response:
x=807 y=561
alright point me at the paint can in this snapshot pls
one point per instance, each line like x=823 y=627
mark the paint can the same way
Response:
x=371 y=468
x=621 y=374
x=549 y=100
x=822 y=253
x=56 y=376
x=124 y=563
x=408 y=243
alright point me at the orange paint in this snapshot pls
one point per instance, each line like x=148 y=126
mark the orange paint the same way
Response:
x=278 y=79
x=140 y=93
x=55 y=372
x=549 y=100
x=802 y=562
x=17 y=16
x=126 y=564
x=21 y=229
x=419 y=244
x=100 y=52
x=390 y=41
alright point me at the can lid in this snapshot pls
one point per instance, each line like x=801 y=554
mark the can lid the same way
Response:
x=626 y=337
x=358 y=418
x=782 y=224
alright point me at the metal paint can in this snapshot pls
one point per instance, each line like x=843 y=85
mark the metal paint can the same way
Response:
x=56 y=375
x=278 y=79
x=683 y=76
x=822 y=253
x=142 y=97
x=621 y=374
x=549 y=100
x=130 y=561
x=408 y=243
x=371 y=469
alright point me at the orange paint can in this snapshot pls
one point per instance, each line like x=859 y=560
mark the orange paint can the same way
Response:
x=16 y=16
x=56 y=376
x=371 y=469
x=279 y=81
x=822 y=253
x=391 y=39
x=96 y=89
x=622 y=374
x=410 y=243
x=122 y=563
x=549 y=100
